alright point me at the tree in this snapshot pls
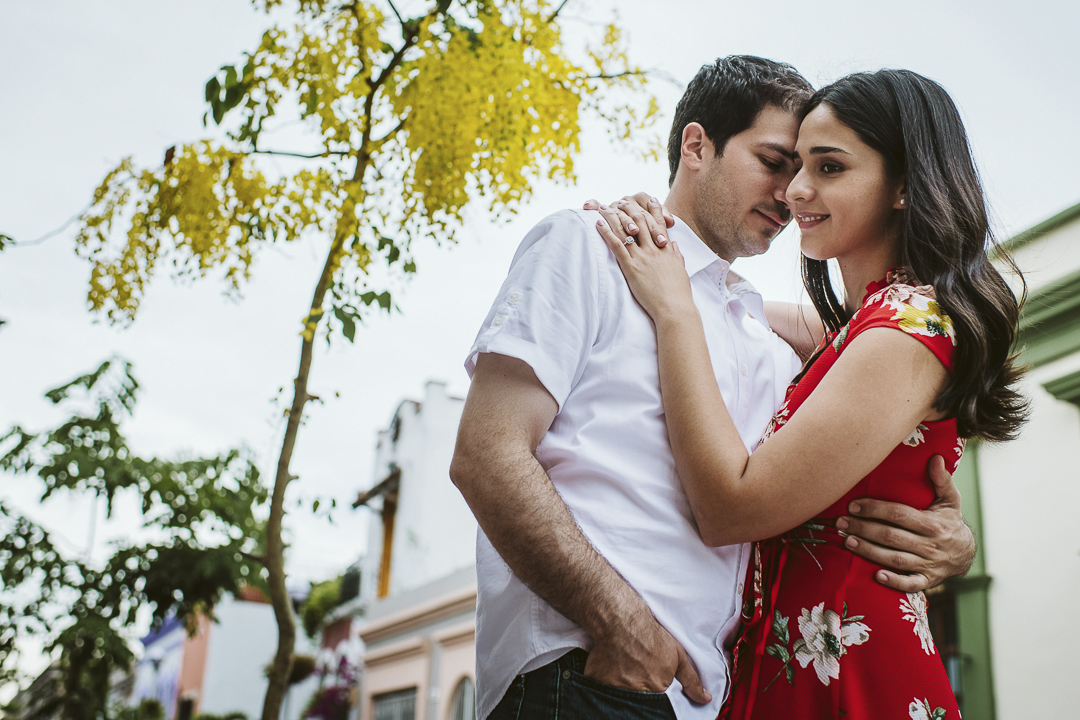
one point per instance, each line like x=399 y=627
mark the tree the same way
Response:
x=202 y=514
x=409 y=119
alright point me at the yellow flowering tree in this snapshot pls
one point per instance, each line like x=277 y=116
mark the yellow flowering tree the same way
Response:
x=407 y=120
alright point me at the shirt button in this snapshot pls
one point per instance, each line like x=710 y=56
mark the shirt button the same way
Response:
x=514 y=297
x=500 y=319
x=740 y=588
x=742 y=370
x=566 y=674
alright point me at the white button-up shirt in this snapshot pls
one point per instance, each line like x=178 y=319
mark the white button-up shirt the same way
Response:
x=566 y=310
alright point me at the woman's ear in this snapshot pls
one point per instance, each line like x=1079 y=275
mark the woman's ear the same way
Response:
x=900 y=203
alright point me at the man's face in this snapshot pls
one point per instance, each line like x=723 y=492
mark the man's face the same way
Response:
x=739 y=196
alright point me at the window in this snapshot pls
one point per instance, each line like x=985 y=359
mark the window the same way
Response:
x=400 y=705
x=463 y=706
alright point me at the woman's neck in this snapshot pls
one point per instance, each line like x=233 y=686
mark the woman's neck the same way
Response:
x=858 y=272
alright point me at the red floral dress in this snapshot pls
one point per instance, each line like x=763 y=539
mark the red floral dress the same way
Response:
x=820 y=638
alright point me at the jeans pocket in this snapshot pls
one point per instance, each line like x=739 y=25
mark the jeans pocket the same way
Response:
x=583 y=697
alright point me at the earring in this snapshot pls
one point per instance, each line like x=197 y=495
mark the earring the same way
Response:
x=902 y=201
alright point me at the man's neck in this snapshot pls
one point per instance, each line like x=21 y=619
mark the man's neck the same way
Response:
x=683 y=208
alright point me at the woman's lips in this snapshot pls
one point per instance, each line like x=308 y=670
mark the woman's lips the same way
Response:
x=809 y=220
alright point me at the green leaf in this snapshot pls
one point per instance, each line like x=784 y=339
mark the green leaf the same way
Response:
x=213 y=89
x=348 y=324
x=780 y=627
x=409 y=267
x=315 y=505
x=6 y=240
x=790 y=672
x=779 y=652
x=383 y=299
x=230 y=76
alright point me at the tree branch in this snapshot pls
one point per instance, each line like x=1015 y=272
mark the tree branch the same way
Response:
x=605 y=76
x=253 y=558
x=376 y=144
x=390 y=2
x=325 y=153
x=557 y=10
x=52 y=233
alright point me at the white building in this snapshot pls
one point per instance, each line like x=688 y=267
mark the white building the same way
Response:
x=219 y=669
x=418 y=585
x=1018 y=633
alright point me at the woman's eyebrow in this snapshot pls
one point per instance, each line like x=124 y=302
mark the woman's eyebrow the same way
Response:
x=825 y=149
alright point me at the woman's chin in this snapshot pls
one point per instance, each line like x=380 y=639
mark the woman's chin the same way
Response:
x=814 y=253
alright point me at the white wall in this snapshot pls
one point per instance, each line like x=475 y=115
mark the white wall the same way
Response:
x=241 y=645
x=434 y=531
x=1031 y=501
x=1031 y=529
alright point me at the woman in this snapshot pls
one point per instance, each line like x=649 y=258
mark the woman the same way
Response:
x=914 y=359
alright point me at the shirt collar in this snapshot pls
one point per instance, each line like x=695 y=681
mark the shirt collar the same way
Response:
x=695 y=252
x=698 y=257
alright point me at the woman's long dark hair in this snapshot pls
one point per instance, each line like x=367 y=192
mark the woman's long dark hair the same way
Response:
x=944 y=238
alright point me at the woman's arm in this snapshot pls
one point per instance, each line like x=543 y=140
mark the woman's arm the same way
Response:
x=798 y=325
x=882 y=386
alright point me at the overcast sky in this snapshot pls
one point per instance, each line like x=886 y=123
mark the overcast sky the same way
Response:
x=84 y=84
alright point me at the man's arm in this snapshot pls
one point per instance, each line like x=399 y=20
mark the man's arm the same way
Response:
x=506 y=415
x=923 y=548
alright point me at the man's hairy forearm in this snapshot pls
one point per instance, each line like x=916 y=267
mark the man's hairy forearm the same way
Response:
x=532 y=529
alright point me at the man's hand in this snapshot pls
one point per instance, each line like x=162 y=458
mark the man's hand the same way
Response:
x=923 y=548
x=644 y=657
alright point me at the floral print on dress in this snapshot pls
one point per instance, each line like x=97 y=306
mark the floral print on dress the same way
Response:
x=920 y=710
x=777 y=421
x=961 y=444
x=826 y=636
x=916 y=306
x=841 y=336
x=916 y=437
x=914 y=609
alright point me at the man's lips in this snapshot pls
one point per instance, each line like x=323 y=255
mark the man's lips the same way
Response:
x=772 y=217
x=809 y=220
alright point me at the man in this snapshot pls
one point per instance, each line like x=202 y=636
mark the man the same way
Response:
x=587 y=542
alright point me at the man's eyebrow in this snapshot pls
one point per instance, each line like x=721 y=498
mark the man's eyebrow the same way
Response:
x=778 y=148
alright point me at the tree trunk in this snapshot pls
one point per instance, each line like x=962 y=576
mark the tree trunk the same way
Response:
x=278 y=677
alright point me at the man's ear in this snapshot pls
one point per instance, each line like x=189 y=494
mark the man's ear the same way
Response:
x=695 y=145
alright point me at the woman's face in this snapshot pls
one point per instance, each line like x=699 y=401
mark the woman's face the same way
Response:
x=842 y=197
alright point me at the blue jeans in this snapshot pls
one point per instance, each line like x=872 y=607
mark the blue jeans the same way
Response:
x=560 y=691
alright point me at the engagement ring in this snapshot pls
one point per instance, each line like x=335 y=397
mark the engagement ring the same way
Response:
x=629 y=240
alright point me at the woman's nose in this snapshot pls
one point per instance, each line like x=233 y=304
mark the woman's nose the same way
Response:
x=798 y=189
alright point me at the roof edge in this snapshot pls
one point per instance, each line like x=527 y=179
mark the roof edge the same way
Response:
x=1049 y=225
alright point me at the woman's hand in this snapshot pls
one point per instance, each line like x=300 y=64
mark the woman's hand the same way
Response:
x=633 y=211
x=655 y=273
